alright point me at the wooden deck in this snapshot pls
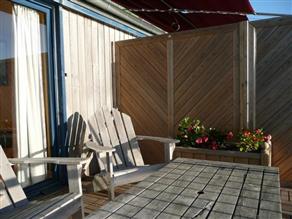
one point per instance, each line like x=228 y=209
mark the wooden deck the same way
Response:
x=286 y=198
x=93 y=201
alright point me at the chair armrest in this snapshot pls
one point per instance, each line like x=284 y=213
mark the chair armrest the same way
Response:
x=74 y=168
x=99 y=149
x=160 y=139
x=169 y=145
x=54 y=160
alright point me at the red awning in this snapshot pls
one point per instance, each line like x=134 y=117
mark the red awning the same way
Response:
x=171 y=21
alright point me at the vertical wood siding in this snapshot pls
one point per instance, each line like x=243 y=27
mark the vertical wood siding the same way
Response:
x=274 y=89
x=200 y=73
x=88 y=63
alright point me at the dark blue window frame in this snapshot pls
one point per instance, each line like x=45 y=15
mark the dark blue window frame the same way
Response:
x=52 y=71
x=56 y=89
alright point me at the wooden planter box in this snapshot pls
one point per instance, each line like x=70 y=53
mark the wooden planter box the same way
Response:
x=262 y=158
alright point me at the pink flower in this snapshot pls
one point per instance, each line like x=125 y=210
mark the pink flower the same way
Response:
x=246 y=133
x=205 y=139
x=258 y=131
x=229 y=135
x=214 y=145
x=199 y=140
x=268 y=138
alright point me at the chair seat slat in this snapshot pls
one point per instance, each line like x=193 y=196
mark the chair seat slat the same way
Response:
x=104 y=135
x=127 y=152
x=118 y=155
x=18 y=197
x=5 y=201
x=133 y=140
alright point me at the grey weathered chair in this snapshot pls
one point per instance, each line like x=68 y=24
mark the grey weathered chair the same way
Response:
x=74 y=141
x=75 y=134
x=121 y=162
x=13 y=201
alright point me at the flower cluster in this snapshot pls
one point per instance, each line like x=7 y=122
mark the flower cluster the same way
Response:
x=193 y=133
x=251 y=140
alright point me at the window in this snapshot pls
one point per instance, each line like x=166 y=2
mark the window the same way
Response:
x=24 y=116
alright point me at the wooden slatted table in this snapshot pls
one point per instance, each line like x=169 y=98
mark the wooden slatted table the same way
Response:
x=189 y=188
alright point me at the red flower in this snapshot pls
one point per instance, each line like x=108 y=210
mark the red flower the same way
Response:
x=258 y=131
x=246 y=133
x=267 y=138
x=199 y=140
x=229 y=135
x=205 y=139
x=190 y=129
x=214 y=145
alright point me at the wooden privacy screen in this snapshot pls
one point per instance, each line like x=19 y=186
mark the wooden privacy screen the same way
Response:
x=205 y=73
x=274 y=89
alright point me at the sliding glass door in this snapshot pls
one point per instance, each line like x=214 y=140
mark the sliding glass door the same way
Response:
x=24 y=105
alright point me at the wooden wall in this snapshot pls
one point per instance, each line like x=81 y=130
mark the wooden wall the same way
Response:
x=142 y=90
x=274 y=89
x=88 y=63
x=200 y=73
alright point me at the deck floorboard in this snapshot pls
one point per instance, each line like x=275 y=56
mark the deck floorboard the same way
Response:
x=93 y=201
x=286 y=198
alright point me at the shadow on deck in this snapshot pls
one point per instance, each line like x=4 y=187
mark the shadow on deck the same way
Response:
x=93 y=201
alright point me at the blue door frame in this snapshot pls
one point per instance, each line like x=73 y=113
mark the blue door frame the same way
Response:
x=55 y=78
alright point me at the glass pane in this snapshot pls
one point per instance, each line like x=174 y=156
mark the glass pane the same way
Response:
x=23 y=87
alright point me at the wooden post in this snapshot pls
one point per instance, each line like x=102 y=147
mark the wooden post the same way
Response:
x=252 y=76
x=170 y=88
x=247 y=75
x=116 y=78
x=266 y=154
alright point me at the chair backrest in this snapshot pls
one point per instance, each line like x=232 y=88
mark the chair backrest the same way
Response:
x=76 y=129
x=110 y=127
x=11 y=193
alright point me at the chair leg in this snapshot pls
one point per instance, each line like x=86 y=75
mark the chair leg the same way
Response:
x=111 y=192
x=111 y=188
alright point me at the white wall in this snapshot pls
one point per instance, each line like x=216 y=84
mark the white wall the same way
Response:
x=88 y=63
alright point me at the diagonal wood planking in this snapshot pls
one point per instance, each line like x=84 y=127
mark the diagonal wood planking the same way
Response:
x=201 y=64
x=204 y=80
x=202 y=73
x=274 y=89
x=143 y=92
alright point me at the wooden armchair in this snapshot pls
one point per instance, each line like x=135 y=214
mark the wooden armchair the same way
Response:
x=13 y=201
x=120 y=161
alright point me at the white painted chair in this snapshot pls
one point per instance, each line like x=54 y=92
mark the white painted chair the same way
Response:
x=13 y=201
x=124 y=163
